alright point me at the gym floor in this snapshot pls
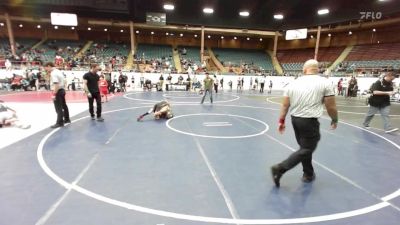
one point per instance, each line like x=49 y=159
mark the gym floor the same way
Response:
x=207 y=165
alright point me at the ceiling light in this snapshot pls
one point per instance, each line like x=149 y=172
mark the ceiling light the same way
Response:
x=2 y=24
x=21 y=25
x=222 y=37
x=38 y=26
x=329 y=35
x=167 y=33
x=105 y=29
x=382 y=0
x=350 y=33
x=209 y=36
x=278 y=16
x=181 y=35
x=171 y=34
x=195 y=35
x=379 y=42
x=169 y=7
x=56 y=27
x=312 y=36
x=323 y=11
x=137 y=31
x=374 y=30
x=244 y=13
x=152 y=32
x=248 y=39
x=72 y=28
x=208 y=10
x=122 y=31
x=260 y=39
x=235 y=38
x=89 y=28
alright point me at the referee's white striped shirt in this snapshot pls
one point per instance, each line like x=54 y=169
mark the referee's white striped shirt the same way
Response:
x=306 y=95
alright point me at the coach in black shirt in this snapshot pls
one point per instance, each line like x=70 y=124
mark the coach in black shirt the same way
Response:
x=91 y=87
x=381 y=90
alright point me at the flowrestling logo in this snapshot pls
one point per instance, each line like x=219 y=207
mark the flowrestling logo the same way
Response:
x=371 y=15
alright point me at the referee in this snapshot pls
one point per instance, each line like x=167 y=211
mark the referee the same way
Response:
x=305 y=97
x=58 y=95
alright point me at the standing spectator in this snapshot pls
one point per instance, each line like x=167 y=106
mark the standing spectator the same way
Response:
x=345 y=86
x=239 y=85
x=121 y=81
x=262 y=83
x=91 y=87
x=305 y=97
x=133 y=81
x=270 y=86
x=141 y=80
x=216 y=84
x=8 y=64
x=169 y=79
x=340 y=86
x=194 y=82
x=103 y=85
x=381 y=90
x=208 y=85
x=256 y=81
x=161 y=80
x=188 y=83
x=352 y=84
x=222 y=83
x=58 y=96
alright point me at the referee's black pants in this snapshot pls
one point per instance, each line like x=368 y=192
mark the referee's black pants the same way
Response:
x=61 y=107
x=307 y=136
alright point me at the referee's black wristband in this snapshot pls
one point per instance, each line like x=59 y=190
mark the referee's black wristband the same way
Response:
x=335 y=120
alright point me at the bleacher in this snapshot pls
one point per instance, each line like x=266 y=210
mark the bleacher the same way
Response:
x=149 y=52
x=5 y=48
x=192 y=54
x=22 y=44
x=293 y=59
x=64 y=48
x=238 y=57
x=374 y=56
x=103 y=52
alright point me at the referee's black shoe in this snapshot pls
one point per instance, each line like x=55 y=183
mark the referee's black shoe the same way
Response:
x=56 y=125
x=276 y=175
x=308 y=178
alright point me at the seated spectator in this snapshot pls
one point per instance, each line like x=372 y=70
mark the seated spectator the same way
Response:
x=148 y=85
x=16 y=82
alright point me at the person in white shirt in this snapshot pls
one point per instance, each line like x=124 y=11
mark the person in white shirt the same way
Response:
x=305 y=97
x=58 y=95
x=262 y=83
x=8 y=64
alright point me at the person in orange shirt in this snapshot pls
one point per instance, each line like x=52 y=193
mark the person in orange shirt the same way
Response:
x=103 y=86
